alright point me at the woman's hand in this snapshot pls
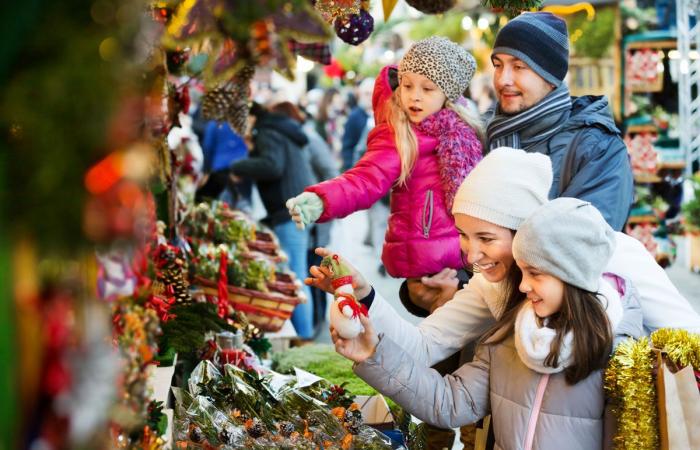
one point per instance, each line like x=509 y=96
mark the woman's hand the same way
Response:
x=359 y=348
x=321 y=277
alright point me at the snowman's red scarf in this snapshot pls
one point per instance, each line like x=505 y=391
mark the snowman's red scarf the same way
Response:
x=349 y=300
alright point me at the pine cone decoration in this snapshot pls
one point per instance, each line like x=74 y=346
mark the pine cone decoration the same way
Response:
x=196 y=434
x=432 y=6
x=352 y=421
x=255 y=428
x=229 y=102
x=171 y=278
x=226 y=437
x=286 y=428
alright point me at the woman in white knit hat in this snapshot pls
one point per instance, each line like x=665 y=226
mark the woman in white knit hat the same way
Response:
x=503 y=190
x=554 y=337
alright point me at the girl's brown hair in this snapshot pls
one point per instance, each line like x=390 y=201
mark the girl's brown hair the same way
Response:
x=581 y=312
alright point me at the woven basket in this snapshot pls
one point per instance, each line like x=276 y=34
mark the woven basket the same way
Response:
x=267 y=310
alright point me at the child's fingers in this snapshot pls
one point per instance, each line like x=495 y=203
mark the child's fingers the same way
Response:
x=322 y=251
x=317 y=273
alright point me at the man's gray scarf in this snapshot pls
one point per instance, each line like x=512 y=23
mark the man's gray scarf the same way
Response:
x=532 y=126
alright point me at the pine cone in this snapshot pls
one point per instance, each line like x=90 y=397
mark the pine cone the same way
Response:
x=352 y=421
x=286 y=428
x=256 y=429
x=226 y=437
x=196 y=434
x=229 y=102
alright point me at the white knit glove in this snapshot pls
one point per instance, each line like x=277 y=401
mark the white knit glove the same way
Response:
x=305 y=208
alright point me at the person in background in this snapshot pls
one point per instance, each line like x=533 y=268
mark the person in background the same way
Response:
x=330 y=117
x=324 y=168
x=222 y=147
x=360 y=122
x=280 y=167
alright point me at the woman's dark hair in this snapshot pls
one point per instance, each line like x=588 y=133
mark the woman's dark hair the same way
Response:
x=290 y=110
x=581 y=311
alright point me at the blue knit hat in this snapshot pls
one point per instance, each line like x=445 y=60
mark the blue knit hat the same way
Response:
x=541 y=40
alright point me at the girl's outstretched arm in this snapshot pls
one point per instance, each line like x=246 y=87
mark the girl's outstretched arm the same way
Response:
x=454 y=400
x=369 y=180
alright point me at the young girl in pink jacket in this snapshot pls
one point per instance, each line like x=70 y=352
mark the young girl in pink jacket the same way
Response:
x=424 y=145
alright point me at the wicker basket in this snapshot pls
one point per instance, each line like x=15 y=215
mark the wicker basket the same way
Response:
x=267 y=310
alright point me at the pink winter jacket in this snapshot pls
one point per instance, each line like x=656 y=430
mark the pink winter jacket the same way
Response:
x=421 y=238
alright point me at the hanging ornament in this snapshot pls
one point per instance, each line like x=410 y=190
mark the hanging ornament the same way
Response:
x=330 y=10
x=334 y=69
x=356 y=28
x=388 y=8
x=303 y=25
x=511 y=8
x=229 y=102
x=432 y=6
x=227 y=61
x=320 y=53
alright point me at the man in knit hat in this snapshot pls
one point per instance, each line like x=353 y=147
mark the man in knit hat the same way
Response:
x=536 y=113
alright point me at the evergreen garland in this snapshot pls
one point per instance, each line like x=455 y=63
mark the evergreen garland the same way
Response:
x=186 y=333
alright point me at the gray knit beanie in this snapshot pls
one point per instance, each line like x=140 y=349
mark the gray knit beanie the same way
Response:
x=443 y=62
x=541 y=40
x=505 y=188
x=567 y=238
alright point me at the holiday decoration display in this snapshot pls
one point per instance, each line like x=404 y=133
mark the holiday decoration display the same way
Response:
x=642 y=70
x=643 y=157
x=243 y=409
x=345 y=310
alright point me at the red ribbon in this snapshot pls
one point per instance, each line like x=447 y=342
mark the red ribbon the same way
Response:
x=162 y=307
x=341 y=281
x=357 y=308
x=222 y=285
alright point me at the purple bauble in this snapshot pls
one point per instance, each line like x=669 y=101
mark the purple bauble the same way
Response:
x=356 y=28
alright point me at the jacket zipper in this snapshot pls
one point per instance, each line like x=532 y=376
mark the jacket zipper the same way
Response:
x=427 y=210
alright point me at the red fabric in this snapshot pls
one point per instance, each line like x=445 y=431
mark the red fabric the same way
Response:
x=342 y=281
x=357 y=308
x=223 y=285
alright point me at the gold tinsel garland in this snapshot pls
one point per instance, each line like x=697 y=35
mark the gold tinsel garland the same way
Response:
x=680 y=346
x=630 y=385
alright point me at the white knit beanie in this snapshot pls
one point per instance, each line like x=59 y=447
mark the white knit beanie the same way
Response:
x=505 y=187
x=567 y=238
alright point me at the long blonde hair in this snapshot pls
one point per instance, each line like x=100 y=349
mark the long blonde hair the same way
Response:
x=405 y=137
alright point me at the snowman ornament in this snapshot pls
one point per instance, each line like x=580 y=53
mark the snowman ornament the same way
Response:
x=345 y=310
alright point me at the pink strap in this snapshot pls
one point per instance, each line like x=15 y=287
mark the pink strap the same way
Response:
x=535 y=411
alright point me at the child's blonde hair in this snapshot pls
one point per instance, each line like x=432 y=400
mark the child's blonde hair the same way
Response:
x=405 y=137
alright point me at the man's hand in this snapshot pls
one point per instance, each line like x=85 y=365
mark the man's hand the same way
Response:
x=361 y=347
x=321 y=277
x=432 y=292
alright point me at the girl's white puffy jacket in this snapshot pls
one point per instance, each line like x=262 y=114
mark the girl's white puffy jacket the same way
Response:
x=472 y=310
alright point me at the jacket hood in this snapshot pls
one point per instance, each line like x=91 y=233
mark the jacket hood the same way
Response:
x=284 y=125
x=384 y=86
x=591 y=110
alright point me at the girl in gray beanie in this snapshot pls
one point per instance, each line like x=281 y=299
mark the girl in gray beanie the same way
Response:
x=554 y=337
